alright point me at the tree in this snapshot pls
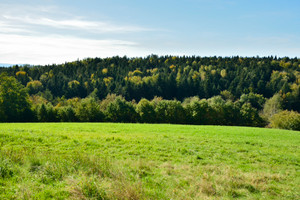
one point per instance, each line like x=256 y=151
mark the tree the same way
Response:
x=169 y=111
x=175 y=112
x=256 y=100
x=88 y=110
x=250 y=116
x=14 y=103
x=121 y=111
x=217 y=112
x=272 y=106
x=226 y=95
x=46 y=113
x=34 y=87
x=67 y=114
x=146 y=111
x=22 y=77
x=200 y=111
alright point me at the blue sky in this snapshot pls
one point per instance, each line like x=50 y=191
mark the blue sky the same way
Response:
x=55 y=31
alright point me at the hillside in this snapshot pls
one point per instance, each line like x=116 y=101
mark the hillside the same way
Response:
x=169 y=77
x=186 y=90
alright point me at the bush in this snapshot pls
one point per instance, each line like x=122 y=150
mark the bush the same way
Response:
x=286 y=120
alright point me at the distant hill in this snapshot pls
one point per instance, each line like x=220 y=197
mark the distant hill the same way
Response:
x=5 y=65
x=11 y=65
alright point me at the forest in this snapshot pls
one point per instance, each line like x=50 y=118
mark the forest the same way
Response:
x=243 y=91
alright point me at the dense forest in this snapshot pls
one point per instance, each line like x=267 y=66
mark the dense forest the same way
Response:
x=193 y=90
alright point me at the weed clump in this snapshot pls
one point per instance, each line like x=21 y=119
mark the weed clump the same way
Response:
x=6 y=169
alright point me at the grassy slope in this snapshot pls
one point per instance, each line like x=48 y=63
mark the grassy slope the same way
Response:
x=139 y=161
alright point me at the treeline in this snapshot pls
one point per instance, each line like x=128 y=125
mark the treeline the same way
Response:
x=249 y=110
x=224 y=89
x=169 y=77
x=116 y=109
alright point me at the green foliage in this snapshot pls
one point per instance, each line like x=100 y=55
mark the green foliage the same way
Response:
x=88 y=110
x=217 y=112
x=67 y=114
x=137 y=78
x=34 y=87
x=46 y=113
x=250 y=116
x=6 y=168
x=272 y=106
x=14 y=103
x=121 y=111
x=238 y=80
x=22 y=77
x=286 y=120
x=227 y=95
x=169 y=111
x=200 y=112
x=46 y=95
x=146 y=111
x=256 y=100
x=108 y=99
x=213 y=111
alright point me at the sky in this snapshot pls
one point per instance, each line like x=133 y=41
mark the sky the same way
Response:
x=56 y=31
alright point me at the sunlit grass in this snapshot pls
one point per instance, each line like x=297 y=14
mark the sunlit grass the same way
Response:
x=141 y=161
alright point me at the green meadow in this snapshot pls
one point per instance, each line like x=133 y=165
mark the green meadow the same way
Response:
x=146 y=161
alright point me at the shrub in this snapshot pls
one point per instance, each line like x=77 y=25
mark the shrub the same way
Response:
x=286 y=120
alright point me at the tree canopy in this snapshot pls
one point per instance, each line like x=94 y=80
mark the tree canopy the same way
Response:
x=14 y=104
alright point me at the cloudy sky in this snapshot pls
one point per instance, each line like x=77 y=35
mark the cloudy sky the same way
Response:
x=56 y=31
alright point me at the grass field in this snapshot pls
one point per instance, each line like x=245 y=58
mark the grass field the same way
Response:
x=140 y=161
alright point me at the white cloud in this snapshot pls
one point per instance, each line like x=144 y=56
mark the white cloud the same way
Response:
x=8 y=28
x=72 y=23
x=57 y=49
x=46 y=35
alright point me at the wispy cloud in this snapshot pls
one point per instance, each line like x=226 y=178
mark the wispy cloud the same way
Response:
x=72 y=23
x=58 y=49
x=9 y=28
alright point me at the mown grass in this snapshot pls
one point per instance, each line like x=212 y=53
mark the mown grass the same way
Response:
x=141 y=161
